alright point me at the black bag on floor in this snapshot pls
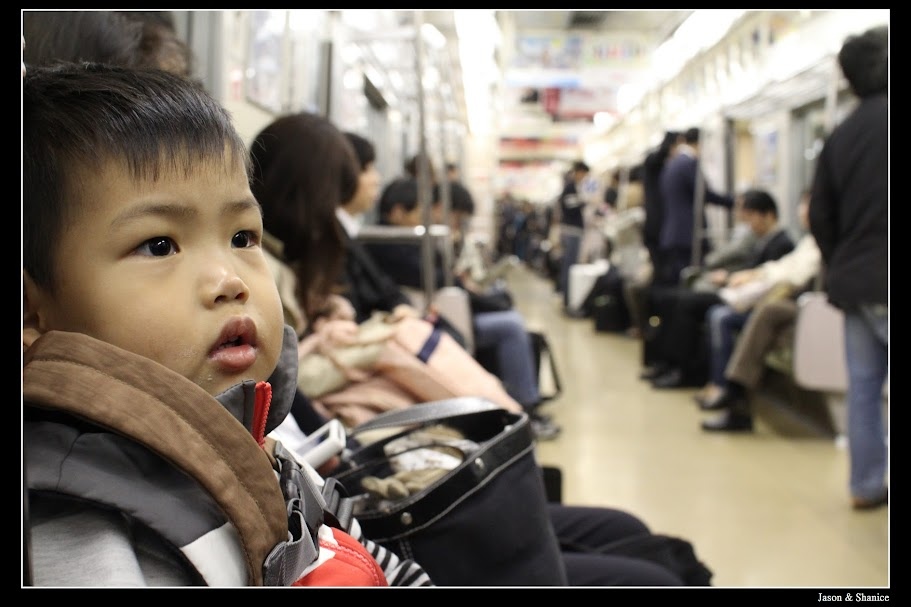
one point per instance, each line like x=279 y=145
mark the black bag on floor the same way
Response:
x=483 y=523
x=610 y=314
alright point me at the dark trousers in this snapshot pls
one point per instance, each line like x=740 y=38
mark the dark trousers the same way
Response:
x=583 y=531
x=671 y=263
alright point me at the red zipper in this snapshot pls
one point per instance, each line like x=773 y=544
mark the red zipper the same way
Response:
x=261 y=403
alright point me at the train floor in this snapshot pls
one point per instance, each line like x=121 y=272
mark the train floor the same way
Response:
x=763 y=510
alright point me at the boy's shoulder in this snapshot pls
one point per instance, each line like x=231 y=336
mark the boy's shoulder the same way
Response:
x=174 y=457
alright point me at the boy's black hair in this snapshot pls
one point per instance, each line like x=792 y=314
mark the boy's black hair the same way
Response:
x=77 y=116
x=759 y=201
x=864 y=60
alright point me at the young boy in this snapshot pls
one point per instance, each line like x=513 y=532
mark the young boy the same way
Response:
x=156 y=358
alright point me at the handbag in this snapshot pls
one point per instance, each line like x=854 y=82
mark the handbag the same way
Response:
x=330 y=368
x=475 y=512
x=401 y=364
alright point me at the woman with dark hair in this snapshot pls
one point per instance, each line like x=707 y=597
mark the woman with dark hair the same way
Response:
x=304 y=161
x=303 y=168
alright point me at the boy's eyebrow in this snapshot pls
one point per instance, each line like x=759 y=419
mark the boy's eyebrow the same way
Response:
x=157 y=208
x=180 y=211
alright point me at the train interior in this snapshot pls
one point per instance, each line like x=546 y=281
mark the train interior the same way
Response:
x=513 y=97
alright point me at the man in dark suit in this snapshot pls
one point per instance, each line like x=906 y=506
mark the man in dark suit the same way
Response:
x=651 y=190
x=677 y=344
x=849 y=218
x=677 y=184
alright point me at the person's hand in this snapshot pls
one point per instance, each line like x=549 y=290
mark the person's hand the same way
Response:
x=403 y=311
x=469 y=284
x=328 y=333
x=718 y=277
x=742 y=277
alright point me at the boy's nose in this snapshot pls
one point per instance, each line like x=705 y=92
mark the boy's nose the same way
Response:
x=226 y=285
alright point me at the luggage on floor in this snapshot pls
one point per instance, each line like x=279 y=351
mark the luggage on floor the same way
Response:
x=582 y=278
x=610 y=314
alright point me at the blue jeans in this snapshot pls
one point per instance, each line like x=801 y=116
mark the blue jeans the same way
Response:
x=570 y=244
x=505 y=331
x=867 y=358
x=724 y=324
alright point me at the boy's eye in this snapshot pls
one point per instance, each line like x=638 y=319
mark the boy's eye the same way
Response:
x=160 y=246
x=244 y=239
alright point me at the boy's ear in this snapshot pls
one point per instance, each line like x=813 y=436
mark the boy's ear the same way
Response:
x=31 y=318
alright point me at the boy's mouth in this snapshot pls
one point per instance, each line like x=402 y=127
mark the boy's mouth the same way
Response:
x=235 y=348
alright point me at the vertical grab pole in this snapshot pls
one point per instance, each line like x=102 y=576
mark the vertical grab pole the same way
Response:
x=445 y=189
x=428 y=278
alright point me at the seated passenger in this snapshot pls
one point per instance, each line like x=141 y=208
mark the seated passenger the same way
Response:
x=656 y=301
x=504 y=330
x=678 y=344
x=737 y=361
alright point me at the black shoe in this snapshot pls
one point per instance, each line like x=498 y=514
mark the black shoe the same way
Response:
x=670 y=379
x=862 y=503
x=653 y=371
x=729 y=421
x=725 y=400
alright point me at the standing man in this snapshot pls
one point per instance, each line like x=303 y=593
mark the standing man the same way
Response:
x=678 y=192
x=571 y=206
x=651 y=186
x=849 y=218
